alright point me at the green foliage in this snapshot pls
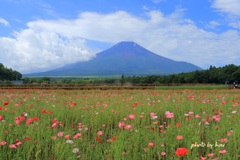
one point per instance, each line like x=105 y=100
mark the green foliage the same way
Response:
x=8 y=73
x=215 y=75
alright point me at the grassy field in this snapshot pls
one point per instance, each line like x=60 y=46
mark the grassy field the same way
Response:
x=159 y=124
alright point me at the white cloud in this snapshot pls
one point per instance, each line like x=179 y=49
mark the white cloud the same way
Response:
x=213 y=24
x=231 y=10
x=231 y=7
x=48 y=44
x=32 y=51
x=4 y=22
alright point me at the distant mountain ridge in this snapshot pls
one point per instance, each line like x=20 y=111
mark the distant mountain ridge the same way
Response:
x=128 y=58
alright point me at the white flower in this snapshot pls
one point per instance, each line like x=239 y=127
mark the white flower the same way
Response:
x=234 y=112
x=75 y=150
x=154 y=117
x=69 y=141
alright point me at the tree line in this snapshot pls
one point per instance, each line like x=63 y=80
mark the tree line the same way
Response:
x=220 y=75
x=7 y=74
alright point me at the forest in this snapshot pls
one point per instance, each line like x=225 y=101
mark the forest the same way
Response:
x=220 y=75
x=7 y=74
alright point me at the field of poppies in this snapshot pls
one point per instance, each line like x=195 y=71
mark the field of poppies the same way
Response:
x=119 y=124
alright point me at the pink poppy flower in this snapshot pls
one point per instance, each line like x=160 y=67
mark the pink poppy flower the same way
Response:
x=169 y=114
x=223 y=151
x=100 y=133
x=152 y=114
x=179 y=137
x=223 y=140
x=12 y=146
x=229 y=134
x=77 y=135
x=18 y=119
x=16 y=105
x=216 y=118
x=163 y=153
x=202 y=158
x=128 y=127
x=18 y=142
x=141 y=116
x=151 y=144
x=54 y=125
x=131 y=116
x=210 y=155
x=197 y=116
x=54 y=138
x=29 y=121
x=3 y=143
x=67 y=136
x=156 y=122
x=121 y=125
x=60 y=134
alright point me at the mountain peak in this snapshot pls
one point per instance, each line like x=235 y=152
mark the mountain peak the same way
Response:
x=126 y=47
x=126 y=44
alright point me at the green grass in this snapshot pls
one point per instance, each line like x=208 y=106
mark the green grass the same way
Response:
x=88 y=112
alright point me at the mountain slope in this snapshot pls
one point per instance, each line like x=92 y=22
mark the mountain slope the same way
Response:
x=126 y=58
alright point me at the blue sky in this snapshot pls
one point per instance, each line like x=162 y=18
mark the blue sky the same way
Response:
x=39 y=35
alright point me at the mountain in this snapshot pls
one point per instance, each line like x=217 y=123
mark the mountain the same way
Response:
x=126 y=58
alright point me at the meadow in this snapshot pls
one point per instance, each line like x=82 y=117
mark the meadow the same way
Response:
x=182 y=124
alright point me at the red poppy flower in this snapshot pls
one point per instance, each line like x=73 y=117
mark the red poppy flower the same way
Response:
x=50 y=112
x=181 y=151
x=135 y=104
x=44 y=111
x=5 y=103
x=29 y=121
x=114 y=138
x=178 y=124
x=27 y=139
x=35 y=118
x=98 y=139
x=153 y=129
